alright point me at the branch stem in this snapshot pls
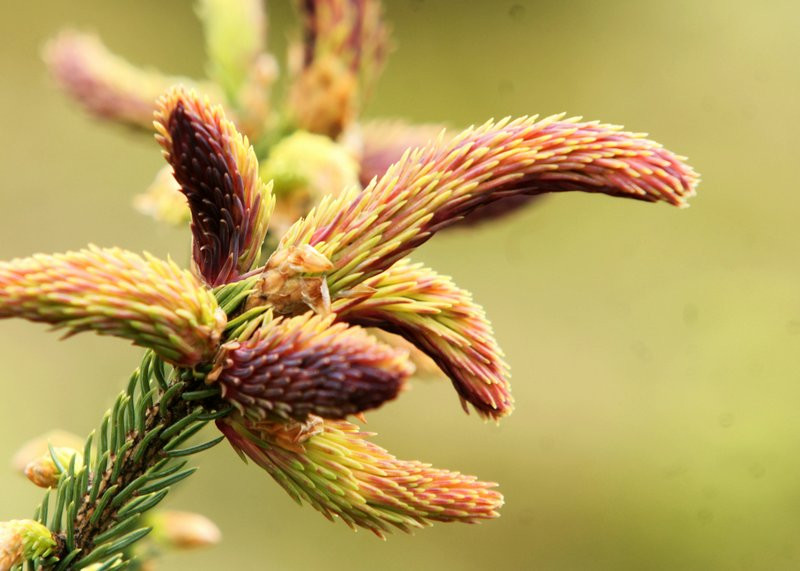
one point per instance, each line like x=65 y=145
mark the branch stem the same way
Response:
x=96 y=512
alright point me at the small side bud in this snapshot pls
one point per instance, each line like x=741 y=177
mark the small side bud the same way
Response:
x=303 y=168
x=183 y=530
x=22 y=540
x=45 y=471
x=39 y=446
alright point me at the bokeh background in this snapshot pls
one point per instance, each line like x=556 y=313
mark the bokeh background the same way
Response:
x=654 y=350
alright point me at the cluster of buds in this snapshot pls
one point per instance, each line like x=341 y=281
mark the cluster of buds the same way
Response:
x=290 y=331
x=290 y=355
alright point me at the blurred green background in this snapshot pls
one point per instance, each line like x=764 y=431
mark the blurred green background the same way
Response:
x=654 y=350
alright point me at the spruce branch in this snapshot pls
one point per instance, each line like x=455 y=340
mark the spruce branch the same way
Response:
x=263 y=334
x=97 y=510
